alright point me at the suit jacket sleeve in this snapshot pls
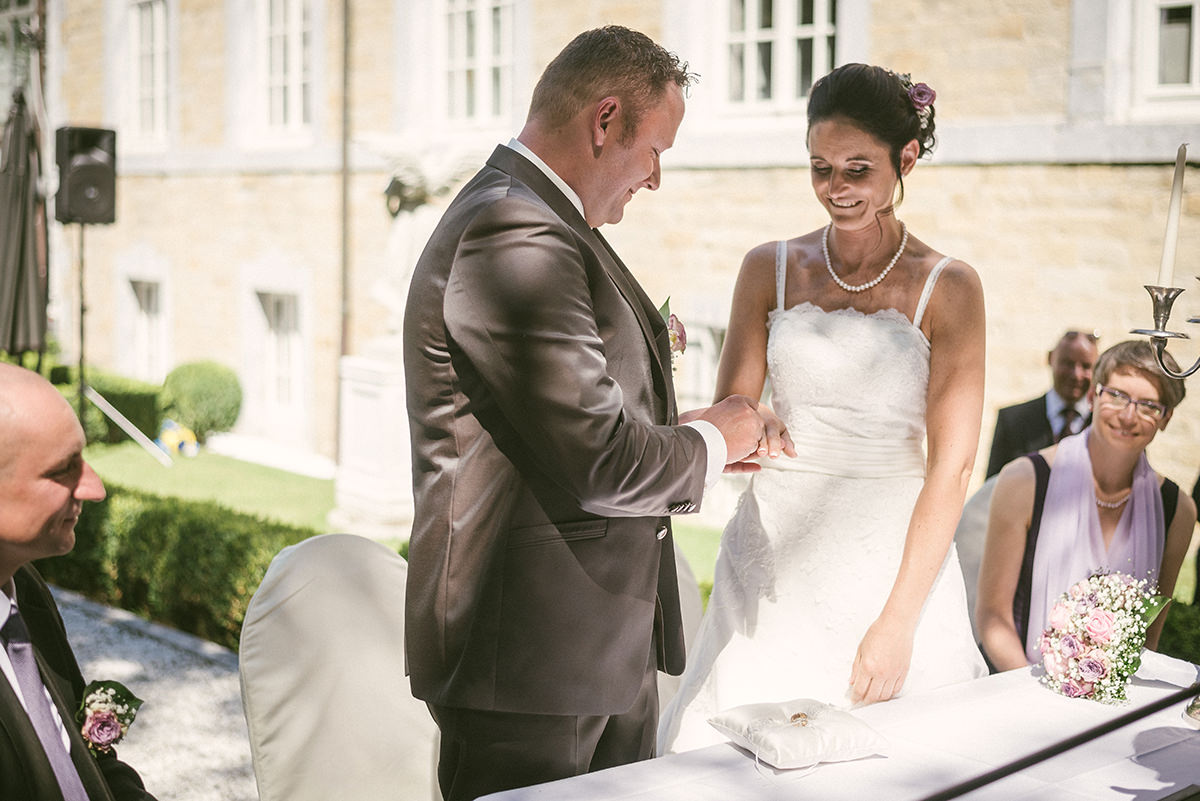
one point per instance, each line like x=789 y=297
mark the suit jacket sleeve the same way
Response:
x=519 y=305
x=1002 y=447
x=49 y=638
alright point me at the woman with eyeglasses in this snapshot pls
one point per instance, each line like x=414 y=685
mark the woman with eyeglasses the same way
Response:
x=1089 y=503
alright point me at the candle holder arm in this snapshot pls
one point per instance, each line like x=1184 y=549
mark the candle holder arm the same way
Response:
x=1163 y=297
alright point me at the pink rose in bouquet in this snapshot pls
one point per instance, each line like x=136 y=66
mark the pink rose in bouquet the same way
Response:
x=1060 y=615
x=1100 y=624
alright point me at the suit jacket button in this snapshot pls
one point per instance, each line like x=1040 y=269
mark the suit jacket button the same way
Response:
x=661 y=533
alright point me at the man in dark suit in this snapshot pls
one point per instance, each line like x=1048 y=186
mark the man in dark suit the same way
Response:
x=43 y=484
x=1035 y=424
x=542 y=593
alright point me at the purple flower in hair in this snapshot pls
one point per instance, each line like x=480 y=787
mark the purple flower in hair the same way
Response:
x=921 y=95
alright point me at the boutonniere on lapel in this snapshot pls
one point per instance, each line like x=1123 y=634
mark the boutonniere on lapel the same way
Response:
x=106 y=713
x=675 y=330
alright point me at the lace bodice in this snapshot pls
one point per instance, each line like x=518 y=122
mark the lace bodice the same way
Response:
x=847 y=373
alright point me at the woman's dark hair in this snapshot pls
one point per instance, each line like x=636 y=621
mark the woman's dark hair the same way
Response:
x=886 y=105
x=1138 y=355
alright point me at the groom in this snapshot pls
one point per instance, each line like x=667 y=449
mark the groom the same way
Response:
x=542 y=593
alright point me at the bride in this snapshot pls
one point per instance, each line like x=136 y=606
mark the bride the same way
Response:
x=836 y=578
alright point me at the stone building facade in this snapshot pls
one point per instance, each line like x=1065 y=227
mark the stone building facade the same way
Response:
x=247 y=230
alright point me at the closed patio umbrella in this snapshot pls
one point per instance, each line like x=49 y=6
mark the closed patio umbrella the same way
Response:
x=22 y=284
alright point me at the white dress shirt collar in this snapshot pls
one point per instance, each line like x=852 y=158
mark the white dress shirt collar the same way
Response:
x=520 y=147
x=1054 y=409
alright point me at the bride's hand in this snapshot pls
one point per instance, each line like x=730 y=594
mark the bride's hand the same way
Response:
x=881 y=664
x=775 y=440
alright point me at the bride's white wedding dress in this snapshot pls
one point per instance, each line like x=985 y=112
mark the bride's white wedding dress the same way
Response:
x=813 y=550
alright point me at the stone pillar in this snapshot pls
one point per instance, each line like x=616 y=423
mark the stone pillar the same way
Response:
x=373 y=487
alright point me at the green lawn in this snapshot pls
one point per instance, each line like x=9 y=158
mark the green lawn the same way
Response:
x=241 y=486
x=306 y=501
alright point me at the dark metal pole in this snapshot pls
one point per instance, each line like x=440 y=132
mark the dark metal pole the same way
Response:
x=1064 y=745
x=82 y=311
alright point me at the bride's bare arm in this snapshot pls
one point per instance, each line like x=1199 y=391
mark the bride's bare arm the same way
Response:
x=953 y=409
x=743 y=366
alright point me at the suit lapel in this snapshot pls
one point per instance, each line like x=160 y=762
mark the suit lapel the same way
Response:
x=653 y=328
x=51 y=650
x=29 y=754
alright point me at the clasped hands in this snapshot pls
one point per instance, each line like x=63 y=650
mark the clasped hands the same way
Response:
x=751 y=431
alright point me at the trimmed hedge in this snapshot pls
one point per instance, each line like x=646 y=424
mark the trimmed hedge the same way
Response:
x=137 y=400
x=190 y=564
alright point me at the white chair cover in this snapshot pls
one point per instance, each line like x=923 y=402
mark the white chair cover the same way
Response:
x=692 y=607
x=969 y=539
x=327 y=703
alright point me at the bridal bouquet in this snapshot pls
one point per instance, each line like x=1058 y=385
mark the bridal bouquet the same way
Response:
x=1096 y=636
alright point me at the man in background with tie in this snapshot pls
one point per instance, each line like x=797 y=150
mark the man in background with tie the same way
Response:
x=1035 y=424
x=43 y=484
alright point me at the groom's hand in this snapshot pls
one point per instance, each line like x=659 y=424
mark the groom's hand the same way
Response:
x=739 y=422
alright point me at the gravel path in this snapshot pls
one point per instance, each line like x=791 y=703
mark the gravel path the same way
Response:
x=189 y=741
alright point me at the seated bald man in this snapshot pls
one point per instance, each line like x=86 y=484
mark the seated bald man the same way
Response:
x=43 y=484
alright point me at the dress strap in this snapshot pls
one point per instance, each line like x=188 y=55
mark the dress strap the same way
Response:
x=927 y=292
x=780 y=272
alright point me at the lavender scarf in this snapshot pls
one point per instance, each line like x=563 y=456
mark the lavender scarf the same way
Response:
x=1070 y=546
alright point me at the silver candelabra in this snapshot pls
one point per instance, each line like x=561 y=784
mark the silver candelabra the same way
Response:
x=1163 y=298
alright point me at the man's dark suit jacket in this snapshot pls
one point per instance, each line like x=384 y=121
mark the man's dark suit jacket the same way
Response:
x=1020 y=429
x=541 y=564
x=25 y=773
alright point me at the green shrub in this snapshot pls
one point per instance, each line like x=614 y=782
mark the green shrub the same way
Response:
x=137 y=400
x=1181 y=633
x=193 y=565
x=203 y=396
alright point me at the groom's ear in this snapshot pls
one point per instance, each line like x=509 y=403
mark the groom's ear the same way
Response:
x=605 y=120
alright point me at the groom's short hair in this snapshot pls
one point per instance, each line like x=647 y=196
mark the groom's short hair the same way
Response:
x=609 y=61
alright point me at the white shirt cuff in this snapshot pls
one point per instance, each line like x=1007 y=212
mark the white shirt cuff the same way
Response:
x=714 y=444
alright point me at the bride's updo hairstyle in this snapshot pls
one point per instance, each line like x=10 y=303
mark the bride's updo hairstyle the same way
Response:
x=888 y=106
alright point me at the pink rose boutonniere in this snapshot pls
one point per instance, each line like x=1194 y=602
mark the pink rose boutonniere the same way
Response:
x=675 y=331
x=106 y=713
x=1097 y=630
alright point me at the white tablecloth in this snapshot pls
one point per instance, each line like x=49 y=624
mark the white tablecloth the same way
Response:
x=940 y=739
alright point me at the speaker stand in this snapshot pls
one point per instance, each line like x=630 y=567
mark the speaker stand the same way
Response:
x=82 y=311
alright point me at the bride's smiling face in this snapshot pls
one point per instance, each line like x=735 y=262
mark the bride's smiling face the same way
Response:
x=852 y=172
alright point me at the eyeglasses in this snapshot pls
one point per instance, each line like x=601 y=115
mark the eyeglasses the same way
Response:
x=1115 y=398
x=1092 y=336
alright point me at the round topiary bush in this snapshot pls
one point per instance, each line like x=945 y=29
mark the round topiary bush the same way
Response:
x=203 y=396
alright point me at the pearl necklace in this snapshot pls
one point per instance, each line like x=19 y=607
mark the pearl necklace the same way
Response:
x=1115 y=504
x=876 y=279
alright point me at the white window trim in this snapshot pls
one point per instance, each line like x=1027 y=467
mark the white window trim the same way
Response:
x=420 y=84
x=146 y=264
x=1134 y=95
x=787 y=30
x=155 y=137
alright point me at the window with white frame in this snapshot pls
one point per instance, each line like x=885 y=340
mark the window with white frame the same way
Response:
x=15 y=48
x=1165 y=60
x=775 y=49
x=147 y=116
x=281 y=350
x=286 y=57
x=148 y=360
x=478 y=60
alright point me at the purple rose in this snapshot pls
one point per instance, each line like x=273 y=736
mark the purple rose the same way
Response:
x=102 y=729
x=1076 y=689
x=1093 y=667
x=922 y=96
x=677 y=333
x=1070 y=646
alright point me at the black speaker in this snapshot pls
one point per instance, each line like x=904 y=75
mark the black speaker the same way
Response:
x=87 y=175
